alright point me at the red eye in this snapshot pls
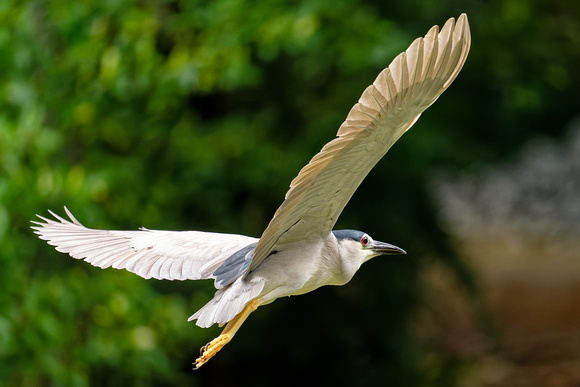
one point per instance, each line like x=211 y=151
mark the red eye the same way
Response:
x=364 y=240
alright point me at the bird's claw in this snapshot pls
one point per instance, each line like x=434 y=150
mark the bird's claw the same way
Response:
x=210 y=349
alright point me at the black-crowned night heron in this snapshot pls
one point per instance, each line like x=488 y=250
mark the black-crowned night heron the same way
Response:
x=298 y=252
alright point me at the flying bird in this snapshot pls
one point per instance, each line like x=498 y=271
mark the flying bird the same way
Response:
x=299 y=251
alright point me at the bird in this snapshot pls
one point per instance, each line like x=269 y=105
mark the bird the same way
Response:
x=298 y=251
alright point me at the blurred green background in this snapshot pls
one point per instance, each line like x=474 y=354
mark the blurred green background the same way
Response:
x=196 y=115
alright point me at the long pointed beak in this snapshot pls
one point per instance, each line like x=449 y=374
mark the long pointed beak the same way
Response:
x=383 y=248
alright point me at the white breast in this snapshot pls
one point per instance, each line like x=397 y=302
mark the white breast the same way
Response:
x=300 y=268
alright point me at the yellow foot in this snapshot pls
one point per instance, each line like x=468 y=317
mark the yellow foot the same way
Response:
x=210 y=349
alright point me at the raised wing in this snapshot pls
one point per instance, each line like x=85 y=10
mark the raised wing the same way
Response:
x=386 y=109
x=172 y=255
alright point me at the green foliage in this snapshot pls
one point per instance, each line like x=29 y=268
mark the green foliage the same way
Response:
x=196 y=115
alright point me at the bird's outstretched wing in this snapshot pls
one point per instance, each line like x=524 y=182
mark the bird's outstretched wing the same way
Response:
x=386 y=109
x=172 y=255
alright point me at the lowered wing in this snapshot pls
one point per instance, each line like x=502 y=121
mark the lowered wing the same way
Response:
x=172 y=255
x=386 y=110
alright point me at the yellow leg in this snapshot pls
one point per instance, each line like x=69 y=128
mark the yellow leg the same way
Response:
x=210 y=349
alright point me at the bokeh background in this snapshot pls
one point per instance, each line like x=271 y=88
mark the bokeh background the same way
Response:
x=197 y=114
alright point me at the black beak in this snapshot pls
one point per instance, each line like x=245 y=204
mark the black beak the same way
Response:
x=382 y=248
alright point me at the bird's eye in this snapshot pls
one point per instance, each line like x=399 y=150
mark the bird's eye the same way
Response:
x=364 y=240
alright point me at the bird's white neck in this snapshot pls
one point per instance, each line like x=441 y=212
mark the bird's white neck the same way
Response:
x=346 y=258
x=350 y=260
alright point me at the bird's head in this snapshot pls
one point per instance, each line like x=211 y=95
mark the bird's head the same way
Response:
x=359 y=247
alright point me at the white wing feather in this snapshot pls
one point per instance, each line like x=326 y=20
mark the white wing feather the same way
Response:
x=172 y=255
x=386 y=110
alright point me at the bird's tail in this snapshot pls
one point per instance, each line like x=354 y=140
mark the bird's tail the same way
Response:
x=228 y=302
